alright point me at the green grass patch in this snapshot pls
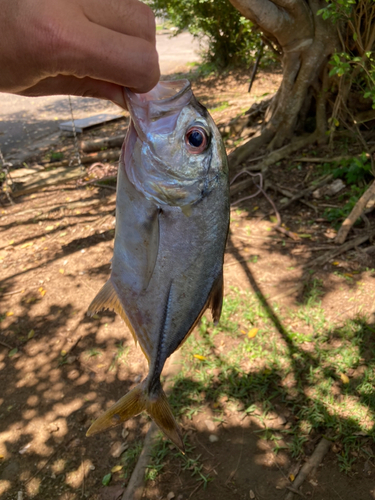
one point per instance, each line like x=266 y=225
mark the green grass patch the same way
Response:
x=260 y=359
x=220 y=107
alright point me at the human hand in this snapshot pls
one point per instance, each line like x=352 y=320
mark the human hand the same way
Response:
x=90 y=48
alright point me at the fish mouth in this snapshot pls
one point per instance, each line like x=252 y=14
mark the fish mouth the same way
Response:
x=163 y=91
x=157 y=111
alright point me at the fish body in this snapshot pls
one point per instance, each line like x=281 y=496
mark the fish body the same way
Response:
x=172 y=218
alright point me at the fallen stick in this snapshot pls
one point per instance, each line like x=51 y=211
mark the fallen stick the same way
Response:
x=310 y=159
x=357 y=211
x=307 y=191
x=102 y=142
x=104 y=186
x=134 y=490
x=12 y=293
x=323 y=259
x=311 y=464
x=286 y=193
x=101 y=180
x=6 y=345
x=96 y=157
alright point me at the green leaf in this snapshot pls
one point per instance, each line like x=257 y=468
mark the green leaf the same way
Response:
x=106 y=479
x=13 y=352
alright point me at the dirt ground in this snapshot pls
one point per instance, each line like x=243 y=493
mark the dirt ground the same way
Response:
x=59 y=369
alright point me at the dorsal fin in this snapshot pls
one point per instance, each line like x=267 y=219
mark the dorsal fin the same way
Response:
x=107 y=298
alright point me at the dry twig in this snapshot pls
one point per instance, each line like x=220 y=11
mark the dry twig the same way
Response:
x=323 y=259
x=311 y=464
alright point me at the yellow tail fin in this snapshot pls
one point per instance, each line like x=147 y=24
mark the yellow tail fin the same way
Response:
x=133 y=403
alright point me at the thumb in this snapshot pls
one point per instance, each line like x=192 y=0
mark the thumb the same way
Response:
x=109 y=56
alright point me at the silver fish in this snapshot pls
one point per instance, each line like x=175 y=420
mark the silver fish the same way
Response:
x=172 y=218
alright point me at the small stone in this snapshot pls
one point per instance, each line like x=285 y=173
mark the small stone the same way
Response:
x=252 y=494
x=137 y=379
x=24 y=449
x=92 y=467
x=53 y=475
x=213 y=438
x=117 y=449
x=170 y=495
x=210 y=425
x=124 y=433
x=20 y=495
x=70 y=359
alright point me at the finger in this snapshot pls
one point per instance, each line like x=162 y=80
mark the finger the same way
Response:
x=129 y=17
x=106 y=55
x=82 y=87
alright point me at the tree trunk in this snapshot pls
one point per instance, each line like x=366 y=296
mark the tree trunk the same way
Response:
x=307 y=42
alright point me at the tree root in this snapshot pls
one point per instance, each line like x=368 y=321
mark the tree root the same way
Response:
x=241 y=153
x=311 y=464
x=272 y=158
x=355 y=214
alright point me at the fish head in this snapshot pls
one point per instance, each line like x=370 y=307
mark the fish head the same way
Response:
x=174 y=153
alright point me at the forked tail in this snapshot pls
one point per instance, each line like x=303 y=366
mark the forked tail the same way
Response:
x=133 y=403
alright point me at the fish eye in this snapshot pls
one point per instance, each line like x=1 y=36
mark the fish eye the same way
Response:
x=196 y=140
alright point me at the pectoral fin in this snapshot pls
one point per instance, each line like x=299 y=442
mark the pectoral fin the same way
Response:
x=137 y=236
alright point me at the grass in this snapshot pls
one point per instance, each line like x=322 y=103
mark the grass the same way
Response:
x=220 y=107
x=119 y=356
x=191 y=462
x=129 y=459
x=258 y=360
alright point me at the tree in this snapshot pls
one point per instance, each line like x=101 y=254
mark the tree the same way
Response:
x=229 y=39
x=327 y=50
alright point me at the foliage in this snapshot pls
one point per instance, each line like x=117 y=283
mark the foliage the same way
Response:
x=338 y=214
x=229 y=36
x=353 y=170
x=356 y=172
x=356 y=62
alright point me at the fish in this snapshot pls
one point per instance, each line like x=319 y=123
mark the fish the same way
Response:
x=172 y=220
